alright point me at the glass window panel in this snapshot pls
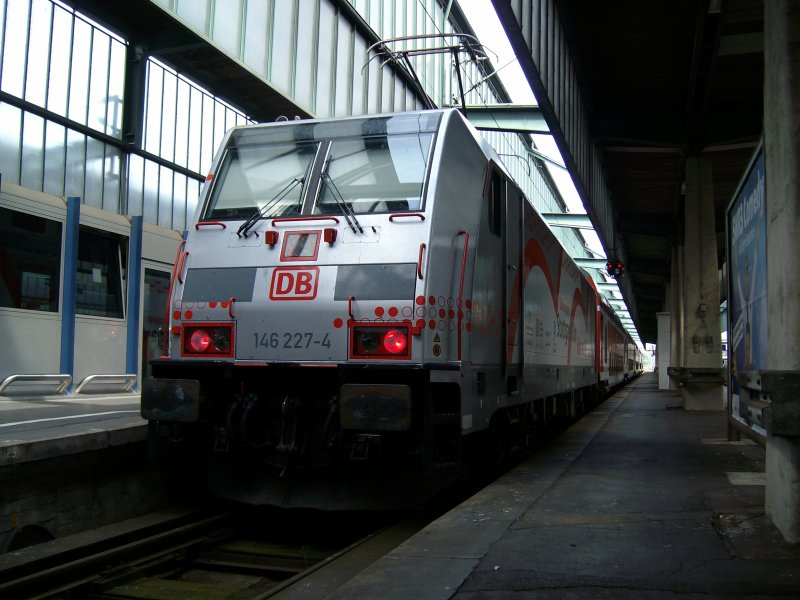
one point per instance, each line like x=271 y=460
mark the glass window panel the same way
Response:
x=10 y=132
x=116 y=90
x=360 y=75
x=343 y=58
x=167 y=115
x=195 y=131
x=32 y=151
x=327 y=26
x=79 y=73
x=387 y=83
x=60 y=53
x=282 y=41
x=76 y=159
x=93 y=184
x=192 y=200
x=55 y=154
x=362 y=7
x=227 y=24
x=135 y=185
x=165 y=198
x=376 y=174
x=195 y=12
x=399 y=95
x=207 y=141
x=255 y=40
x=182 y=124
x=219 y=126
x=374 y=94
x=14 y=49
x=387 y=27
x=98 y=85
x=111 y=180
x=179 y=202
x=2 y=27
x=150 y=196
x=36 y=82
x=152 y=127
x=375 y=16
x=99 y=274
x=30 y=252
x=306 y=62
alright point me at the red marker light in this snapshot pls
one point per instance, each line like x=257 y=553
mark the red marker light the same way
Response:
x=395 y=342
x=200 y=340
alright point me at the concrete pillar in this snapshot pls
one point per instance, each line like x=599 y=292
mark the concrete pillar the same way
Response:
x=700 y=346
x=664 y=345
x=676 y=311
x=782 y=155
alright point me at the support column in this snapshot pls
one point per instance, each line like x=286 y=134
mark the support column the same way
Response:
x=700 y=348
x=782 y=155
x=676 y=311
x=664 y=345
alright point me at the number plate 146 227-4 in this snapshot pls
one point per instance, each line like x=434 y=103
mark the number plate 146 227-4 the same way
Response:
x=291 y=340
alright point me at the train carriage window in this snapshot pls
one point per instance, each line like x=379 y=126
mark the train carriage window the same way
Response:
x=100 y=274
x=30 y=261
x=374 y=174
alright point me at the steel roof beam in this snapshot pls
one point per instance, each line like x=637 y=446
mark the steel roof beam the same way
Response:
x=508 y=117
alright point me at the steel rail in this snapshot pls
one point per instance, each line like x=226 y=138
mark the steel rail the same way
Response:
x=54 y=578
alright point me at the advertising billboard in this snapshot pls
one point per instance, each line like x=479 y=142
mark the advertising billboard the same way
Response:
x=747 y=289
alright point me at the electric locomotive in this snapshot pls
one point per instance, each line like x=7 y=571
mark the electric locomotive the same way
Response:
x=364 y=306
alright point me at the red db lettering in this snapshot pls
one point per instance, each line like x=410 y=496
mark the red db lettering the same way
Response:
x=294 y=283
x=303 y=286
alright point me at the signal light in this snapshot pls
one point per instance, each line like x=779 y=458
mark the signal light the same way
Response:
x=210 y=340
x=615 y=268
x=379 y=341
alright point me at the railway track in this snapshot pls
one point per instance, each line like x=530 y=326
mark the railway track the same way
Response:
x=251 y=554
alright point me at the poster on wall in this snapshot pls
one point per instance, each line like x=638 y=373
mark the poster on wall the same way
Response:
x=747 y=286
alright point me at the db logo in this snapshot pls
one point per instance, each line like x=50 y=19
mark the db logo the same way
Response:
x=294 y=283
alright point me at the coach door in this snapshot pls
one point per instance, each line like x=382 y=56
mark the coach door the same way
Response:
x=513 y=284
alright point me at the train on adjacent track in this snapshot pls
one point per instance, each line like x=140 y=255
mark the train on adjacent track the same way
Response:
x=79 y=291
x=363 y=307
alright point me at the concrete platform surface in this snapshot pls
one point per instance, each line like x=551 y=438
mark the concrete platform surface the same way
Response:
x=35 y=429
x=639 y=499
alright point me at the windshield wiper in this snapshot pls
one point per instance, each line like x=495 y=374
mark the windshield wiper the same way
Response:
x=345 y=208
x=260 y=213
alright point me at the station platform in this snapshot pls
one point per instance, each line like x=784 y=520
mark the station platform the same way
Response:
x=639 y=499
x=47 y=427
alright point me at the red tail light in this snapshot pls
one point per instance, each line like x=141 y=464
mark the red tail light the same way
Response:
x=208 y=340
x=199 y=341
x=395 y=341
x=380 y=341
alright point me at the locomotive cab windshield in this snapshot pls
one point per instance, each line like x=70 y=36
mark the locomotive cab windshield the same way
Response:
x=357 y=166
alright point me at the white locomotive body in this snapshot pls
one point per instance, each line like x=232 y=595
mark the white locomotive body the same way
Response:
x=364 y=306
